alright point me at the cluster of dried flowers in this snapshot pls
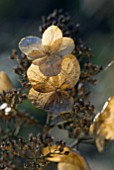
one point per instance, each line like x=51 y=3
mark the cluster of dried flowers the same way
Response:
x=54 y=80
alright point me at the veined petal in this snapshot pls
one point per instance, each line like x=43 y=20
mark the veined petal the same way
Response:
x=50 y=35
x=31 y=46
x=38 y=99
x=66 y=47
x=55 y=46
x=51 y=101
x=59 y=103
x=34 y=54
x=70 y=71
x=38 y=80
x=50 y=66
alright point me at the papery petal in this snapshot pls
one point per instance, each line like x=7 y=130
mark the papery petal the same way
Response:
x=59 y=103
x=50 y=35
x=78 y=163
x=38 y=99
x=38 y=80
x=55 y=46
x=5 y=82
x=102 y=128
x=66 y=47
x=31 y=46
x=66 y=158
x=70 y=71
x=51 y=66
x=34 y=54
x=51 y=101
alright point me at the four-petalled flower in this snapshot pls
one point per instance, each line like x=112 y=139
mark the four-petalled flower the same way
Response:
x=49 y=50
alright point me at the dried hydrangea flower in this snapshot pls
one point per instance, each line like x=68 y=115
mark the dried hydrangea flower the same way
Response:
x=50 y=49
x=54 y=94
x=66 y=158
x=102 y=128
x=5 y=82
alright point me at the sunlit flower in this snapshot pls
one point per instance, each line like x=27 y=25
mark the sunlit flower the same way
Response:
x=54 y=94
x=50 y=49
x=102 y=128
x=5 y=82
x=66 y=158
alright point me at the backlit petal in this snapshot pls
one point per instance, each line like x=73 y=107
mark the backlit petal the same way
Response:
x=38 y=99
x=102 y=128
x=59 y=103
x=66 y=47
x=38 y=80
x=5 y=82
x=55 y=46
x=51 y=101
x=51 y=66
x=50 y=35
x=70 y=71
x=34 y=54
x=66 y=158
x=31 y=46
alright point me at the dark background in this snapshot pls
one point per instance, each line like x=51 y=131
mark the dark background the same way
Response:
x=19 y=18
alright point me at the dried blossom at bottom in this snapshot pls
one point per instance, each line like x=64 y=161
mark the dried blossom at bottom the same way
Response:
x=66 y=158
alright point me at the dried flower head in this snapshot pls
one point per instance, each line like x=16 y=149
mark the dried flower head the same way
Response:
x=102 y=128
x=22 y=65
x=66 y=158
x=49 y=50
x=54 y=94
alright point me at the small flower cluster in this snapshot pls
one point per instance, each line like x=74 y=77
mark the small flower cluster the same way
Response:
x=21 y=68
x=30 y=152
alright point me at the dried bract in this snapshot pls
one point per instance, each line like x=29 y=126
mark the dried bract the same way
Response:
x=66 y=158
x=5 y=82
x=102 y=128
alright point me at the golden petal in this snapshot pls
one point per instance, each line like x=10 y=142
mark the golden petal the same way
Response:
x=67 y=46
x=67 y=159
x=38 y=99
x=38 y=80
x=50 y=35
x=34 y=54
x=55 y=46
x=70 y=71
x=51 y=101
x=31 y=46
x=5 y=82
x=102 y=128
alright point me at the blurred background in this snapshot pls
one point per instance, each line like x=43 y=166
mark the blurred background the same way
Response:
x=19 y=18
